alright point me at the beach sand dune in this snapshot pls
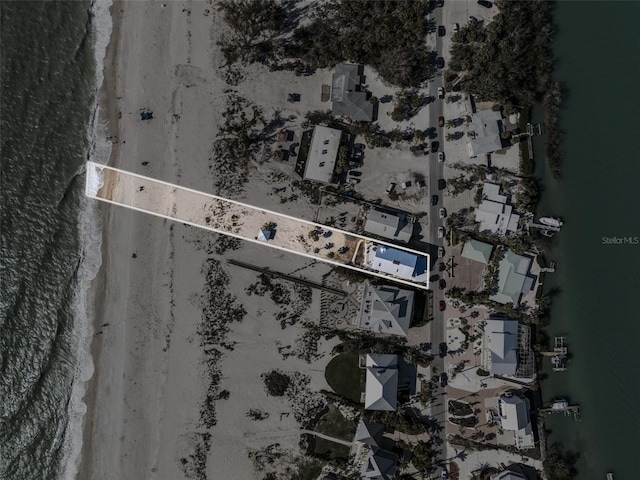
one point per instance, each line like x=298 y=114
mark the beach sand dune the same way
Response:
x=145 y=399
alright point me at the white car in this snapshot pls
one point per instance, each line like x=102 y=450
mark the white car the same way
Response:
x=442 y=213
x=455 y=27
x=441 y=157
x=440 y=252
x=440 y=92
x=390 y=187
x=440 y=232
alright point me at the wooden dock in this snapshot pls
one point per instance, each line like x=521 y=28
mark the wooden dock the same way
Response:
x=559 y=355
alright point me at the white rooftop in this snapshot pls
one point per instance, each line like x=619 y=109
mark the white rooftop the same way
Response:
x=502 y=340
x=323 y=153
x=493 y=213
x=386 y=309
x=513 y=278
x=514 y=416
x=389 y=225
x=485 y=125
x=381 y=391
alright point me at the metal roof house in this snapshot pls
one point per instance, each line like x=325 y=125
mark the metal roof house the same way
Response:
x=381 y=390
x=389 y=225
x=501 y=339
x=514 y=416
x=386 y=309
x=347 y=97
x=487 y=126
x=323 y=153
x=477 y=251
x=381 y=465
x=507 y=475
x=396 y=262
x=513 y=278
x=493 y=212
x=369 y=433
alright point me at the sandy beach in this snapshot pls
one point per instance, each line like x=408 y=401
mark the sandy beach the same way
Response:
x=154 y=364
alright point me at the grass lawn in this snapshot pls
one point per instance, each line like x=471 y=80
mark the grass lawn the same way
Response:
x=335 y=425
x=303 y=152
x=345 y=377
x=331 y=449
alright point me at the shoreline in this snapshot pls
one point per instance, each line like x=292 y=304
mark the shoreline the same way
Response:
x=100 y=283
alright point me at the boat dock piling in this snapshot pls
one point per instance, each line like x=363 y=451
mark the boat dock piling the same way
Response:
x=562 y=406
x=559 y=355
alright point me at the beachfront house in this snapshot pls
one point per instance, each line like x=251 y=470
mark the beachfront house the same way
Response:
x=394 y=226
x=381 y=390
x=385 y=309
x=515 y=420
x=486 y=127
x=514 y=278
x=396 y=262
x=376 y=462
x=380 y=465
x=348 y=97
x=494 y=214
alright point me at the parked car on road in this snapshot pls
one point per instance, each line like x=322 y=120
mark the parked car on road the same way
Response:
x=443 y=349
x=440 y=62
x=441 y=253
x=441 y=121
x=485 y=3
x=444 y=379
x=455 y=27
x=353 y=181
x=442 y=284
x=473 y=19
x=355 y=173
x=442 y=184
x=441 y=157
x=390 y=187
x=442 y=213
x=434 y=199
x=441 y=31
x=440 y=232
x=440 y=92
x=434 y=146
x=358 y=147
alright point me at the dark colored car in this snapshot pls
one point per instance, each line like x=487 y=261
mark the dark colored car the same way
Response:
x=442 y=305
x=355 y=173
x=442 y=284
x=442 y=184
x=444 y=379
x=358 y=147
x=434 y=199
x=441 y=121
x=441 y=31
x=441 y=267
x=435 y=146
x=440 y=62
x=443 y=350
x=485 y=3
x=473 y=19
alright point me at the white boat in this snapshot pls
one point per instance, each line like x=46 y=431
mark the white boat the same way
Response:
x=546 y=233
x=609 y=476
x=551 y=221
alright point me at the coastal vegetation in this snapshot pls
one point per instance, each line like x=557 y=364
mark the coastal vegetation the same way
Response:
x=510 y=62
x=269 y=32
x=345 y=377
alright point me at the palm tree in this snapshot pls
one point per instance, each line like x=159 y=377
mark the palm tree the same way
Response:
x=450 y=137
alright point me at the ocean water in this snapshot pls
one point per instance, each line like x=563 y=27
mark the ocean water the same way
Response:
x=597 y=47
x=50 y=234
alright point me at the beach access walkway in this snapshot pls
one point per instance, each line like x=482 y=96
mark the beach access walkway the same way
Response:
x=253 y=224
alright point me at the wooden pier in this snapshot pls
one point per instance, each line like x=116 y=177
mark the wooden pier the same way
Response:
x=562 y=406
x=559 y=355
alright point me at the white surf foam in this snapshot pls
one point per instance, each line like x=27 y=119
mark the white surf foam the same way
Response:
x=90 y=234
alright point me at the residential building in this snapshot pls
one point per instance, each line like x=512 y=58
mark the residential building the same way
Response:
x=381 y=390
x=514 y=278
x=477 y=251
x=507 y=475
x=394 y=226
x=395 y=262
x=501 y=345
x=514 y=417
x=369 y=433
x=493 y=212
x=487 y=126
x=386 y=309
x=381 y=465
x=323 y=154
x=347 y=96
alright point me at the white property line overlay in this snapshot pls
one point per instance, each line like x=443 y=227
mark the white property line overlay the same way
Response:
x=94 y=169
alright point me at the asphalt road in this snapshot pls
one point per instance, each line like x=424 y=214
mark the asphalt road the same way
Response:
x=436 y=170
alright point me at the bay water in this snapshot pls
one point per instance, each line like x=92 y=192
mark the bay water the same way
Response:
x=597 y=47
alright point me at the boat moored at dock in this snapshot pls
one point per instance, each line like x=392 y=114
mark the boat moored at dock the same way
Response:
x=551 y=221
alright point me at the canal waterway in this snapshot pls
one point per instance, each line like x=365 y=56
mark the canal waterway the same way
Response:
x=597 y=47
